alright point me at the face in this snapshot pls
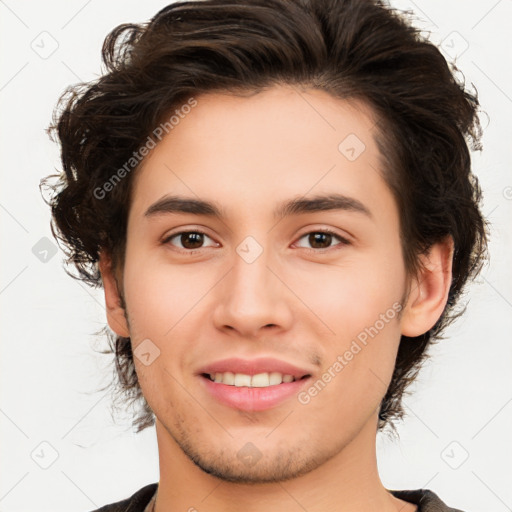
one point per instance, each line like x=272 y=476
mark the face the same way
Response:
x=312 y=291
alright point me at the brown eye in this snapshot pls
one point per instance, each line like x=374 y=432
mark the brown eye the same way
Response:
x=322 y=240
x=189 y=240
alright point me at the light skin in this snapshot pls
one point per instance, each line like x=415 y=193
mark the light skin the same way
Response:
x=300 y=301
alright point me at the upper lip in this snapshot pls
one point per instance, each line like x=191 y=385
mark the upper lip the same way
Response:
x=254 y=366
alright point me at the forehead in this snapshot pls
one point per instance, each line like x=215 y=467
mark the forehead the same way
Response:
x=256 y=150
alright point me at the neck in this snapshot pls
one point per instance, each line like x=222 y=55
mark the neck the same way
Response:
x=347 y=482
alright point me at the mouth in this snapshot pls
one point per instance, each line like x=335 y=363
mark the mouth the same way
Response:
x=253 y=384
x=252 y=393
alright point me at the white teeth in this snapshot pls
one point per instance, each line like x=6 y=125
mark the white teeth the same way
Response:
x=260 y=380
x=228 y=378
x=242 y=380
x=275 y=378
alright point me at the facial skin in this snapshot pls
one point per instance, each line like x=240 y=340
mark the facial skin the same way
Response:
x=296 y=302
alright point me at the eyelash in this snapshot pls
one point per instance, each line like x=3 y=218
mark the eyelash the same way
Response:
x=343 y=241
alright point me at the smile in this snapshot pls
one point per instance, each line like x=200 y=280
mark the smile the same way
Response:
x=246 y=394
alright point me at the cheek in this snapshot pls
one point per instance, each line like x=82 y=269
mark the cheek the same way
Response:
x=352 y=296
x=160 y=295
x=360 y=304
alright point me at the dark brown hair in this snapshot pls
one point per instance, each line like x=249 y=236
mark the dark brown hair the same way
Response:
x=360 y=49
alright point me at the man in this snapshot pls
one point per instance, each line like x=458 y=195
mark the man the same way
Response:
x=277 y=199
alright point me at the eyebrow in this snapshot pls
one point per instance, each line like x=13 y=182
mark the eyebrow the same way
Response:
x=320 y=203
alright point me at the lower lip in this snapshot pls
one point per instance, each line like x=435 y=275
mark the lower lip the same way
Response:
x=253 y=399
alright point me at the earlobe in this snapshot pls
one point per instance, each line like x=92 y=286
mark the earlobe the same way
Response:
x=115 y=311
x=429 y=290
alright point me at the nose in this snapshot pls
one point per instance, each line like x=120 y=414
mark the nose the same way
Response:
x=253 y=298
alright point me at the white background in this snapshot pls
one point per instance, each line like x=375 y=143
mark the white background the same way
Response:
x=462 y=406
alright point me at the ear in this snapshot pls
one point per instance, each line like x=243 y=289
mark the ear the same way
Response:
x=428 y=291
x=115 y=312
